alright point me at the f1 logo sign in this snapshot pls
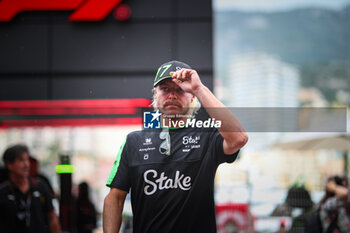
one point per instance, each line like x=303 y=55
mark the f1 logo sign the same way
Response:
x=85 y=10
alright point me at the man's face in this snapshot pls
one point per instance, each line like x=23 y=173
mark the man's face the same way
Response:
x=171 y=99
x=20 y=167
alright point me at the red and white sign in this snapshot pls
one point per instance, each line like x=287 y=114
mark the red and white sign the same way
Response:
x=234 y=217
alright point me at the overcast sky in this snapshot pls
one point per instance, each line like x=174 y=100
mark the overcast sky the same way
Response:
x=276 y=5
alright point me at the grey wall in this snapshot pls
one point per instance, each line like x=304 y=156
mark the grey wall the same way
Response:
x=44 y=56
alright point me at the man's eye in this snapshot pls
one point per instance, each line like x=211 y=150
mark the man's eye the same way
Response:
x=165 y=88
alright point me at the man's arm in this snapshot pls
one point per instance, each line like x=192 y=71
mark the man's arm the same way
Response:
x=231 y=130
x=112 y=210
x=53 y=222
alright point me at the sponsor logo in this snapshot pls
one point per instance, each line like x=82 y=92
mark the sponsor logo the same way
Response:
x=85 y=10
x=151 y=120
x=190 y=143
x=145 y=157
x=189 y=140
x=147 y=149
x=155 y=183
x=148 y=141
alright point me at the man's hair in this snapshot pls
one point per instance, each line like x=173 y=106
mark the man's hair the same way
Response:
x=13 y=152
x=194 y=108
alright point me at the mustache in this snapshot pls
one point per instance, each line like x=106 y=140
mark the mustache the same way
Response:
x=173 y=103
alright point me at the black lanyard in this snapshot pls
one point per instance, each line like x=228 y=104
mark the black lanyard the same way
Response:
x=26 y=204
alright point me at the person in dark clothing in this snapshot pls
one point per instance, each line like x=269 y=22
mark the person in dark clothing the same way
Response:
x=170 y=171
x=299 y=199
x=34 y=173
x=298 y=205
x=86 y=213
x=25 y=203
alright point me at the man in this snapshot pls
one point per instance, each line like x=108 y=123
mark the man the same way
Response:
x=171 y=171
x=25 y=203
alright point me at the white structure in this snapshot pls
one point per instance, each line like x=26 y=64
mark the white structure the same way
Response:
x=260 y=87
x=261 y=80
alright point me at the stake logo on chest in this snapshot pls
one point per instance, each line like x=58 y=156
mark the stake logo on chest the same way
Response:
x=155 y=182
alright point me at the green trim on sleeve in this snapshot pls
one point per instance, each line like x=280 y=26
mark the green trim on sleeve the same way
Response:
x=116 y=164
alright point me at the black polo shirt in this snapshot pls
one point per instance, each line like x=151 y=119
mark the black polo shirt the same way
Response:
x=24 y=213
x=170 y=193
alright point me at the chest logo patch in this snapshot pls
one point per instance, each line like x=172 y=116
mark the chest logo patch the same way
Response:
x=189 y=140
x=161 y=182
x=148 y=141
x=190 y=143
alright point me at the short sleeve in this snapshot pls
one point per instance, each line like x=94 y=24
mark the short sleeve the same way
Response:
x=219 y=154
x=119 y=175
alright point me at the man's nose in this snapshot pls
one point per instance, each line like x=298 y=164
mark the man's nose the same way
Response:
x=172 y=95
x=27 y=163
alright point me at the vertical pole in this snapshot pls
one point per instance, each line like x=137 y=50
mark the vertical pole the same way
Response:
x=65 y=170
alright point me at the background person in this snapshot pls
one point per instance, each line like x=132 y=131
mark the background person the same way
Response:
x=34 y=173
x=86 y=212
x=335 y=210
x=25 y=203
